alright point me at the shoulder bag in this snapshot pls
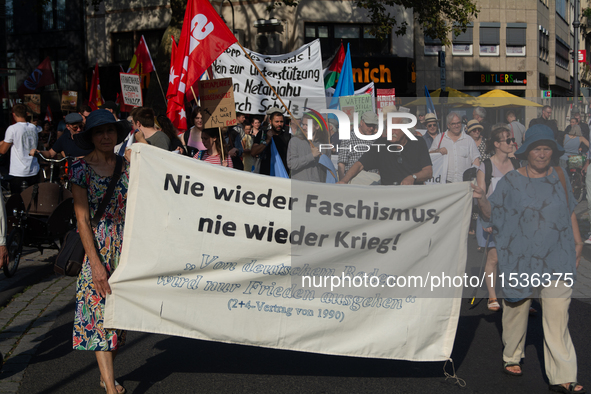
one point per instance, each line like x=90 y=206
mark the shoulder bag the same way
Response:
x=71 y=254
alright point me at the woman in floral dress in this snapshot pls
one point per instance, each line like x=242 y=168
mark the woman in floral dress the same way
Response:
x=90 y=179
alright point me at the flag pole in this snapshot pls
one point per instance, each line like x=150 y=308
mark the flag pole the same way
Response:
x=222 y=146
x=161 y=89
x=273 y=89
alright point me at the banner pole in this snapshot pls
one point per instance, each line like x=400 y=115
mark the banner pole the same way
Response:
x=161 y=89
x=194 y=95
x=222 y=146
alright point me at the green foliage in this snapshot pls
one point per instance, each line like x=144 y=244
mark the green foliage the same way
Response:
x=586 y=12
x=438 y=17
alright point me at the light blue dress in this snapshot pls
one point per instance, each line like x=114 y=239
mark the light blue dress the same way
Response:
x=532 y=227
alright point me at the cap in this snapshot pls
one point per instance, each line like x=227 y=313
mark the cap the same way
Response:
x=370 y=118
x=274 y=110
x=73 y=118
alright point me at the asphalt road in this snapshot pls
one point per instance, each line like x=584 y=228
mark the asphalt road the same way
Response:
x=151 y=363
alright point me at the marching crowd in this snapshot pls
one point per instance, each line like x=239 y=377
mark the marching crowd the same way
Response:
x=526 y=218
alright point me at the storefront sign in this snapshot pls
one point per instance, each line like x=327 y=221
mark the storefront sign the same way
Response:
x=475 y=78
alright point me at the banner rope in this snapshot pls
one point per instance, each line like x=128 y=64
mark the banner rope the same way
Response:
x=460 y=382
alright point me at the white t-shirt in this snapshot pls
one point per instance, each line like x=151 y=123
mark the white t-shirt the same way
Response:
x=461 y=154
x=23 y=137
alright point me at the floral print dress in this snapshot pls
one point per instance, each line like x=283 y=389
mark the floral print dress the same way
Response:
x=89 y=333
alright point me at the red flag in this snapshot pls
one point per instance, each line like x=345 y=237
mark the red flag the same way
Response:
x=141 y=57
x=203 y=38
x=48 y=114
x=95 y=100
x=176 y=113
x=41 y=76
x=172 y=76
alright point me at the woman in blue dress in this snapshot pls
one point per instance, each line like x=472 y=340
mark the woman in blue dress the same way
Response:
x=90 y=179
x=539 y=247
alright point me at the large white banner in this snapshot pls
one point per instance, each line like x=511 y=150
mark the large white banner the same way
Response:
x=296 y=77
x=225 y=255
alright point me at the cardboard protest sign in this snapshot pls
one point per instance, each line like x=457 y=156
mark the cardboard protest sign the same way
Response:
x=359 y=104
x=224 y=255
x=386 y=97
x=131 y=89
x=33 y=102
x=69 y=101
x=296 y=77
x=217 y=103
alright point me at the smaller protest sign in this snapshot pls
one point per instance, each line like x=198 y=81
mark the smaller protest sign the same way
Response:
x=359 y=104
x=33 y=102
x=386 y=97
x=69 y=100
x=131 y=89
x=217 y=102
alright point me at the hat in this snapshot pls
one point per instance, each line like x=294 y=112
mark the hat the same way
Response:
x=274 y=110
x=389 y=108
x=537 y=133
x=334 y=122
x=430 y=117
x=74 y=118
x=370 y=118
x=109 y=105
x=473 y=125
x=98 y=118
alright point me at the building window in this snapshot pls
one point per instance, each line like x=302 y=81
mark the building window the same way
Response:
x=59 y=66
x=516 y=39
x=9 y=7
x=489 y=39
x=543 y=43
x=561 y=8
x=462 y=44
x=54 y=15
x=358 y=36
x=124 y=44
x=11 y=65
x=562 y=53
x=432 y=46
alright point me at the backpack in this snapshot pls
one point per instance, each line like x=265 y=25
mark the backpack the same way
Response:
x=488 y=170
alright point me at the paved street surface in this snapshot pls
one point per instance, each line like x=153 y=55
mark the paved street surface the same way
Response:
x=36 y=330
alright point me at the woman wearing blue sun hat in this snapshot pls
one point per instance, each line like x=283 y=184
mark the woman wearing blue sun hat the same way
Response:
x=539 y=246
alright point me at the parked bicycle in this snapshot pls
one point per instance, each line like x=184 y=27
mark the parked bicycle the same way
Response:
x=576 y=176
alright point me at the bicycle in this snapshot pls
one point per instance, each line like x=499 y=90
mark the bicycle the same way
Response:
x=576 y=177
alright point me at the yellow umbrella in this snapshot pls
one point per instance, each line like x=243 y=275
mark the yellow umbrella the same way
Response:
x=453 y=97
x=501 y=98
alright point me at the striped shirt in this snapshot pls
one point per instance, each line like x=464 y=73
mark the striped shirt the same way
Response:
x=215 y=159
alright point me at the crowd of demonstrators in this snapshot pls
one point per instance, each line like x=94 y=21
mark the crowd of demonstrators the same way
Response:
x=102 y=238
x=65 y=145
x=461 y=150
x=545 y=241
x=348 y=155
x=303 y=156
x=409 y=166
x=277 y=132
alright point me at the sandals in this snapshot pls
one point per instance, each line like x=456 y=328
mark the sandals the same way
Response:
x=507 y=365
x=558 y=388
x=102 y=384
x=493 y=305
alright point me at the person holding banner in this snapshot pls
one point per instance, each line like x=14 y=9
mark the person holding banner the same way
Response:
x=302 y=159
x=90 y=177
x=537 y=236
x=213 y=148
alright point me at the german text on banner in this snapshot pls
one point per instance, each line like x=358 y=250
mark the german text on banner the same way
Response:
x=223 y=255
x=296 y=77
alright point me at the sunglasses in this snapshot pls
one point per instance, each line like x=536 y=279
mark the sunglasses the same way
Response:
x=432 y=125
x=509 y=140
x=474 y=130
x=76 y=126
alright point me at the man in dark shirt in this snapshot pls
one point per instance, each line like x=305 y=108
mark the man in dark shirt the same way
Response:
x=262 y=141
x=409 y=166
x=65 y=144
x=545 y=120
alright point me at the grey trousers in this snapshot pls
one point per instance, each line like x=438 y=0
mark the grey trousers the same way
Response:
x=559 y=353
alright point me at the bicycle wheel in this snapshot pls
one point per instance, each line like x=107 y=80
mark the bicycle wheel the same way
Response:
x=578 y=184
x=14 y=243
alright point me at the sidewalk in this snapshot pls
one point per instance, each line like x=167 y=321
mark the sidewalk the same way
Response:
x=27 y=318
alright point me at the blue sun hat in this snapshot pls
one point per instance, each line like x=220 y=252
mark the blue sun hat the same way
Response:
x=537 y=133
x=98 y=118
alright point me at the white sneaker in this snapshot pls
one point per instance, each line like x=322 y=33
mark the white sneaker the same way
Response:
x=588 y=241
